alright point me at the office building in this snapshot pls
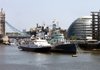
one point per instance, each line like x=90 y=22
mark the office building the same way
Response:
x=81 y=28
x=96 y=25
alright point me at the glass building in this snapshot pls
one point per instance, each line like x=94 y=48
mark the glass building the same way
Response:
x=81 y=28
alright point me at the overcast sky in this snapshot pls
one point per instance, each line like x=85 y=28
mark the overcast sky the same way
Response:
x=25 y=14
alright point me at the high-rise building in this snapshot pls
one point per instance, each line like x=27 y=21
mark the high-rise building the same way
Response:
x=2 y=23
x=96 y=25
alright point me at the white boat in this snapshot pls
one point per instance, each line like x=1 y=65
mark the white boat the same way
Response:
x=9 y=43
x=35 y=44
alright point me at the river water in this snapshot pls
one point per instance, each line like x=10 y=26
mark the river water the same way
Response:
x=12 y=58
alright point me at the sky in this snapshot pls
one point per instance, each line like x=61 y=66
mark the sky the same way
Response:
x=25 y=14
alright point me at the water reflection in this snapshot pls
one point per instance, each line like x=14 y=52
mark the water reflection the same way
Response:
x=12 y=58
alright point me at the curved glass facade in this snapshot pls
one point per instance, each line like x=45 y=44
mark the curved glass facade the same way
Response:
x=80 y=28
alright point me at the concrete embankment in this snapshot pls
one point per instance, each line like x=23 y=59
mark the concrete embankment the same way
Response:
x=89 y=46
x=3 y=39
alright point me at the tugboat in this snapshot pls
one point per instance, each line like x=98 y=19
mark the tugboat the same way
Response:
x=59 y=43
x=36 y=45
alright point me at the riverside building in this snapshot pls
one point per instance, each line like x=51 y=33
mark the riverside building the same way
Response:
x=96 y=25
x=81 y=28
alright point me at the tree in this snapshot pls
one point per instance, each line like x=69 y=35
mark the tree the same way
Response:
x=73 y=38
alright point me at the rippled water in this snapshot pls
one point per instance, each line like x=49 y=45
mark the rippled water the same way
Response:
x=11 y=58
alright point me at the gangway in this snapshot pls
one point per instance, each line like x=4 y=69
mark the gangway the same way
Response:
x=78 y=48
